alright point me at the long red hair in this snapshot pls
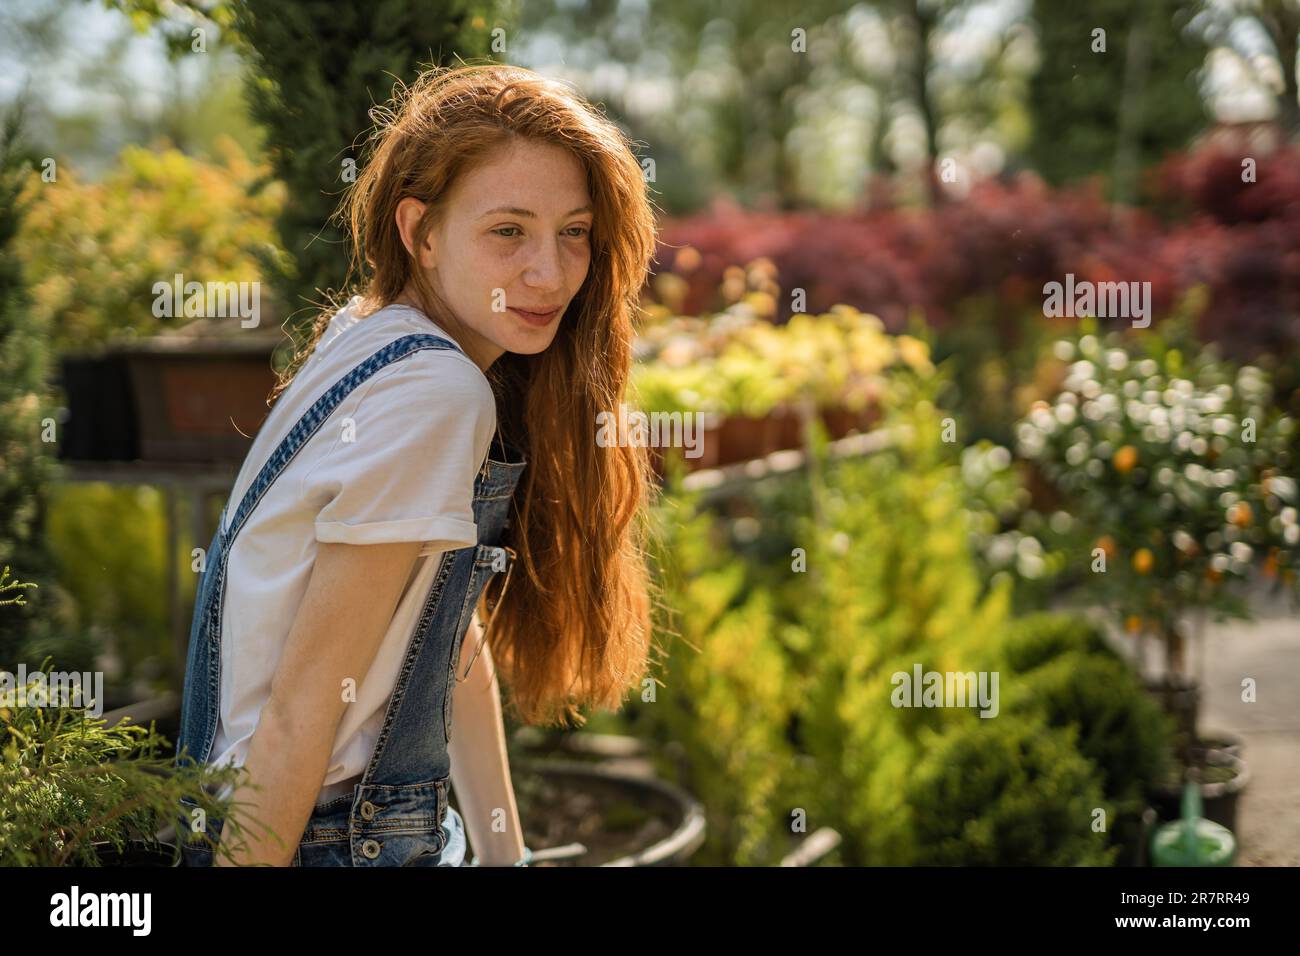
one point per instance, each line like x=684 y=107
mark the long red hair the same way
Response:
x=573 y=627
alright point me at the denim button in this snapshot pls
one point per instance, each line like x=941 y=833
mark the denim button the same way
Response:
x=370 y=849
x=367 y=810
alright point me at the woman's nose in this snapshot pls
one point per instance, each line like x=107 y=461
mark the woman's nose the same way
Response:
x=545 y=271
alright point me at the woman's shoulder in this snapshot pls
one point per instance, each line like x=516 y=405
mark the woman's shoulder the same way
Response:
x=448 y=371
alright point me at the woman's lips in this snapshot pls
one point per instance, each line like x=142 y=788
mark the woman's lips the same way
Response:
x=536 y=318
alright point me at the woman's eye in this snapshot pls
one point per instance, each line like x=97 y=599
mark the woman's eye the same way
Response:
x=513 y=232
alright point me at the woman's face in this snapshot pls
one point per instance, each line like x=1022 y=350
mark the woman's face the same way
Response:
x=514 y=243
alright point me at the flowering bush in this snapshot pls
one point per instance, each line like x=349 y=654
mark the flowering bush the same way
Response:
x=738 y=363
x=1007 y=537
x=1178 y=468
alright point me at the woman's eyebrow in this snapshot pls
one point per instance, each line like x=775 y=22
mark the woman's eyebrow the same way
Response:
x=517 y=211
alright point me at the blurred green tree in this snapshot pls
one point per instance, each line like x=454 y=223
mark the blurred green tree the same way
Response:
x=320 y=65
x=27 y=426
x=1118 y=87
x=317 y=68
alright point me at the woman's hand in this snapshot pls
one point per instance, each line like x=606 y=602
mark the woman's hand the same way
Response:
x=480 y=771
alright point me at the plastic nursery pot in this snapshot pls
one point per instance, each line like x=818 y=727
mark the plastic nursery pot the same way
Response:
x=710 y=445
x=622 y=819
x=742 y=438
x=1223 y=778
x=840 y=422
x=1220 y=741
x=787 y=428
x=137 y=853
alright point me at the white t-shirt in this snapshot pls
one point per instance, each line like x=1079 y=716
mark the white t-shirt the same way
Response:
x=395 y=461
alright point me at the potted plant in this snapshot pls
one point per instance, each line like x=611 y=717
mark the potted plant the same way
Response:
x=1170 y=460
x=750 y=389
x=597 y=795
x=77 y=791
x=659 y=386
x=1223 y=778
x=617 y=817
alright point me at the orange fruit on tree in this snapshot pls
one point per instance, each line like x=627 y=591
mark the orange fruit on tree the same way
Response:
x=1241 y=515
x=1143 y=561
x=1125 y=459
x=1270 y=566
x=1107 y=545
x=1133 y=624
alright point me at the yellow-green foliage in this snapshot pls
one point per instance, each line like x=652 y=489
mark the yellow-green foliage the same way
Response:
x=791 y=623
x=93 y=250
x=108 y=543
x=740 y=364
x=69 y=780
x=727 y=698
x=891 y=584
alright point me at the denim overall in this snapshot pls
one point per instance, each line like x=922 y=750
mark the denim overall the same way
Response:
x=397 y=815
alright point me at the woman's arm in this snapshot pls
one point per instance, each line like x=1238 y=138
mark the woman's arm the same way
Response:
x=480 y=771
x=341 y=622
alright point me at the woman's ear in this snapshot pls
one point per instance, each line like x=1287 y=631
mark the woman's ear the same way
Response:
x=409 y=213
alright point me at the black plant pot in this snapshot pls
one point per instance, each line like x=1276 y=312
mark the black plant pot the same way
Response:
x=1218 y=796
x=1220 y=741
x=137 y=853
x=680 y=817
x=101 y=422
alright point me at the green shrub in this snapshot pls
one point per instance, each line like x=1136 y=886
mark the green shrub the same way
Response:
x=1035 y=639
x=94 y=250
x=27 y=411
x=68 y=780
x=1004 y=792
x=108 y=543
x=779 y=678
x=1120 y=728
x=891 y=584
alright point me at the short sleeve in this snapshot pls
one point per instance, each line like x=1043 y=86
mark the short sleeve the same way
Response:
x=401 y=453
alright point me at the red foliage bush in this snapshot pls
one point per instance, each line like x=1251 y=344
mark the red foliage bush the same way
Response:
x=1007 y=239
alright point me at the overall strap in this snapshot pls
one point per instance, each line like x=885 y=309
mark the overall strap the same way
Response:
x=315 y=416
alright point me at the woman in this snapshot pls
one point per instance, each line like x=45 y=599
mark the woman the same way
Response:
x=431 y=456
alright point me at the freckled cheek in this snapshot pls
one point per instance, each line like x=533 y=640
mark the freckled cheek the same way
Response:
x=576 y=270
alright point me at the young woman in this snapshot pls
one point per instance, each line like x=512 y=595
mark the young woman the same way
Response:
x=431 y=458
